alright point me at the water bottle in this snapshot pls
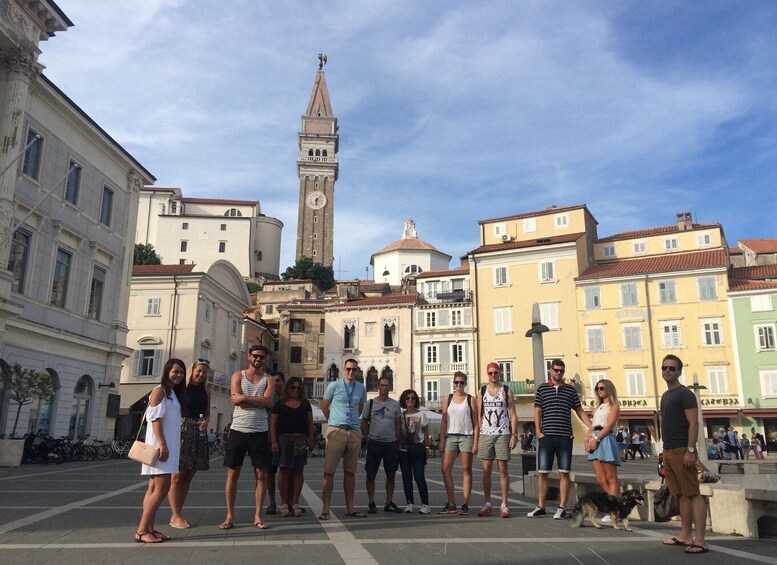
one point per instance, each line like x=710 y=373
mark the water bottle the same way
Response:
x=203 y=431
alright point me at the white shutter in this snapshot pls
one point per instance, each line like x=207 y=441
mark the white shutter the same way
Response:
x=157 y=363
x=138 y=358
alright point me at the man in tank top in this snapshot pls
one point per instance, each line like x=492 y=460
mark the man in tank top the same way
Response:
x=251 y=393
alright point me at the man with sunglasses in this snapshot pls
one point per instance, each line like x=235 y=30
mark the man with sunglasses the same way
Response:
x=679 y=432
x=554 y=402
x=342 y=404
x=251 y=393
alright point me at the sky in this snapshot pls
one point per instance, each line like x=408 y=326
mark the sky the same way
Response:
x=449 y=112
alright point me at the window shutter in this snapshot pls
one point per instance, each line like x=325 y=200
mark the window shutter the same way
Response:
x=137 y=362
x=157 y=370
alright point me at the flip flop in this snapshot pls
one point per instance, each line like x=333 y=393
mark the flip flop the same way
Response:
x=324 y=516
x=226 y=526
x=356 y=514
x=675 y=541
x=160 y=536
x=260 y=525
x=185 y=526
x=694 y=546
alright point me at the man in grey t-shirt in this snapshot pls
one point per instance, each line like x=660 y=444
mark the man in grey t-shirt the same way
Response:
x=380 y=427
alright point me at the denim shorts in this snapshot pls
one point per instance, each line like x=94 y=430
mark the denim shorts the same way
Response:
x=554 y=445
x=386 y=452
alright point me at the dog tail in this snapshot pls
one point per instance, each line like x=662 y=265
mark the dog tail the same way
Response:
x=577 y=517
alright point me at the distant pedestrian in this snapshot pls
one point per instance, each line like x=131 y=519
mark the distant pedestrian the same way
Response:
x=413 y=446
x=163 y=431
x=637 y=441
x=744 y=446
x=623 y=445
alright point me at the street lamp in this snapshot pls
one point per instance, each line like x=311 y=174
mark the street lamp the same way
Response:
x=537 y=349
x=702 y=436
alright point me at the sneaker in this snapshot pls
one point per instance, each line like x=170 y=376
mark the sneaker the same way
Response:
x=560 y=514
x=606 y=520
x=372 y=509
x=410 y=508
x=504 y=512
x=425 y=509
x=448 y=509
x=464 y=509
x=486 y=511
x=537 y=512
x=391 y=507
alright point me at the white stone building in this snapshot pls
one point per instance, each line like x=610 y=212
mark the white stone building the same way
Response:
x=406 y=257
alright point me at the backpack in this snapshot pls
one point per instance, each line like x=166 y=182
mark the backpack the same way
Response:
x=619 y=437
x=483 y=399
x=469 y=396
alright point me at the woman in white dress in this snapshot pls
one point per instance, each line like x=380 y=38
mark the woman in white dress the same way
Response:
x=163 y=431
x=602 y=447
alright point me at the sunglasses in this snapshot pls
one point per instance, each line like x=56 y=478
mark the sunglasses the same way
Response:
x=413 y=398
x=668 y=368
x=600 y=388
x=351 y=369
x=203 y=362
x=494 y=373
x=258 y=356
x=559 y=371
x=297 y=388
x=460 y=383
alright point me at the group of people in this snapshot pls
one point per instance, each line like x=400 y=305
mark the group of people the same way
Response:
x=630 y=444
x=272 y=422
x=728 y=445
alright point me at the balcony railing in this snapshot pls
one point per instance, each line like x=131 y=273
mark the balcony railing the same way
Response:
x=431 y=367
x=317 y=159
x=458 y=295
x=459 y=367
x=433 y=404
x=437 y=368
x=521 y=387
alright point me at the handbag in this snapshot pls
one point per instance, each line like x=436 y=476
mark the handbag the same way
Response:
x=141 y=451
x=665 y=504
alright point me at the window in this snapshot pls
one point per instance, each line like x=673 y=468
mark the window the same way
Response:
x=61 y=278
x=502 y=320
x=320 y=355
x=413 y=269
x=185 y=226
x=667 y=293
x=431 y=354
x=233 y=213
x=670 y=335
x=371 y=383
x=768 y=382
x=184 y=246
x=718 y=380
x=182 y=261
x=321 y=325
x=629 y=295
x=152 y=306
x=703 y=240
x=432 y=288
x=268 y=309
x=295 y=354
x=547 y=271
x=32 y=155
x=455 y=317
x=431 y=319
x=349 y=336
x=73 y=182
x=764 y=337
x=608 y=251
x=17 y=258
x=432 y=391
x=206 y=311
x=296 y=326
x=506 y=367
x=96 y=293
x=594 y=338
x=106 y=208
x=761 y=303
x=711 y=333
x=499 y=230
x=593 y=298
x=173 y=207
x=640 y=247
x=500 y=276
x=389 y=334
x=561 y=221
x=708 y=288
x=223 y=227
x=258 y=255
x=549 y=315
x=635 y=383
x=457 y=353
x=632 y=338
x=594 y=378
x=530 y=225
x=234 y=327
x=222 y=246
x=147 y=362
x=671 y=244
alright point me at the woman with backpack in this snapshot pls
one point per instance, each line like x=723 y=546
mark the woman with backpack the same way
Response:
x=413 y=446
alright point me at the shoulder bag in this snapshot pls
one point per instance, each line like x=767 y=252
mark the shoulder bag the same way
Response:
x=141 y=451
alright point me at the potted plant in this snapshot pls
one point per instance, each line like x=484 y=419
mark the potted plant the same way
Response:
x=23 y=386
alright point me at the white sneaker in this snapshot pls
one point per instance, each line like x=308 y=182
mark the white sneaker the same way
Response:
x=424 y=509
x=606 y=520
x=560 y=514
x=409 y=509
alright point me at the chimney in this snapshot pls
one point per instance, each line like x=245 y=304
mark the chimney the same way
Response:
x=684 y=221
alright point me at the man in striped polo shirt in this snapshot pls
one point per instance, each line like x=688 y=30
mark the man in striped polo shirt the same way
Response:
x=553 y=405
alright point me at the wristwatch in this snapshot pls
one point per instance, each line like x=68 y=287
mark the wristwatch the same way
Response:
x=691 y=450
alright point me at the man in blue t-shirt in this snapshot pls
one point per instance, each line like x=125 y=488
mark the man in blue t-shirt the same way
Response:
x=342 y=405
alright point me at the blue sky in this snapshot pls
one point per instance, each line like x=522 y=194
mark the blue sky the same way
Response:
x=449 y=112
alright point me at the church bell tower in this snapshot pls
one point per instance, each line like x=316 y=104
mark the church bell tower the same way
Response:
x=317 y=170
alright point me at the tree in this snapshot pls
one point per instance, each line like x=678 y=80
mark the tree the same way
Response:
x=24 y=386
x=145 y=254
x=306 y=269
x=253 y=287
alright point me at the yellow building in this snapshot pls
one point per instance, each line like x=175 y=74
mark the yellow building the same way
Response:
x=653 y=292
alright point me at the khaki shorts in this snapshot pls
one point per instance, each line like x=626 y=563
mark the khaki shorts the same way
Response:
x=342 y=444
x=681 y=480
x=459 y=443
x=494 y=447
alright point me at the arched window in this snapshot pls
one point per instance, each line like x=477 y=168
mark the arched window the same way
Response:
x=388 y=373
x=349 y=336
x=318 y=153
x=413 y=269
x=389 y=334
x=79 y=411
x=372 y=380
x=323 y=153
x=233 y=213
x=310 y=152
x=42 y=411
x=333 y=373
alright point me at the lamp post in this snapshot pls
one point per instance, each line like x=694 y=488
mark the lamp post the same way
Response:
x=537 y=349
x=702 y=436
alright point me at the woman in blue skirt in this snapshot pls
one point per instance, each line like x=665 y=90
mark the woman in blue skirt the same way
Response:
x=602 y=446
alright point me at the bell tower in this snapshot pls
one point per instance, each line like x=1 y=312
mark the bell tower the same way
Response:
x=317 y=170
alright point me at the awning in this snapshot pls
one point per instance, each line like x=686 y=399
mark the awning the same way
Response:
x=638 y=414
x=131 y=393
x=761 y=412
x=709 y=413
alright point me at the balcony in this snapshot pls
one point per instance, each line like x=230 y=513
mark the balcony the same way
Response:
x=521 y=387
x=316 y=158
x=433 y=404
x=431 y=368
x=437 y=368
x=458 y=295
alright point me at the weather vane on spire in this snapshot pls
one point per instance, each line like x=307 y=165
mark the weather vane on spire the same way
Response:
x=321 y=61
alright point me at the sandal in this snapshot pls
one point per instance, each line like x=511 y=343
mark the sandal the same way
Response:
x=226 y=526
x=297 y=510
x=160 y=536
x=323 y=516
x=356 y=514
x=185 y=525
x=285 y=513
x=260 y=525
x=139 y=537
x=504 y=512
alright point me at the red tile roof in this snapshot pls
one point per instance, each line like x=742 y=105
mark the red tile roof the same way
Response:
x=655 y=231
x=449 y=272
x=741 y=284
x=758 y=272
x=388 y=300
x=139 y=270
x=530 y=243
x=671 y=262
x=219 y=201
x=760 y=245
x=545 y=212
x=735 y=251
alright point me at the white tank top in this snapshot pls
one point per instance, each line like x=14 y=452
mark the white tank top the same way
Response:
x=251 y=419
x=459 y=418
x=495 y=421
x=601 y=414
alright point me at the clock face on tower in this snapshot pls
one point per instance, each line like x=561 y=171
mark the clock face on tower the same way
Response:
x=316 y=200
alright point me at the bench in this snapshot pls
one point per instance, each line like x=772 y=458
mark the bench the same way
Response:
x=738 y=510
x=745 y=466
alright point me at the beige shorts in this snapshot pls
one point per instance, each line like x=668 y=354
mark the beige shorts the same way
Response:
x=681 y=480
x=342 y=444
x=459 y=442
x=494 y=447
